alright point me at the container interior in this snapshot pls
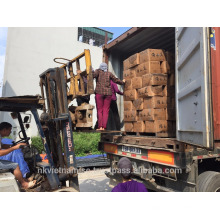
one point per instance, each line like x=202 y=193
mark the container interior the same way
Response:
x=150 y=37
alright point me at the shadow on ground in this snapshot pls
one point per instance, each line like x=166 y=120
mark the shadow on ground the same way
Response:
x=95 y=185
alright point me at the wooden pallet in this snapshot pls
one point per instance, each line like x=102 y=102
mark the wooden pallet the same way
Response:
x=158 y=134
x=146 y=141
x=97 y=131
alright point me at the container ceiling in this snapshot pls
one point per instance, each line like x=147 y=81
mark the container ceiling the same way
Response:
x=141 y=39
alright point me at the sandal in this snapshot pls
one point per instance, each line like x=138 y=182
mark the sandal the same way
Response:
x=31 y=184
x=99 y=129
x=31 y=178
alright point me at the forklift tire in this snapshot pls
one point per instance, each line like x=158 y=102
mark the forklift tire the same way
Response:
x=209 y=181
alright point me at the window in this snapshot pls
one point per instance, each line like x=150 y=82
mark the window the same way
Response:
x=93 y=36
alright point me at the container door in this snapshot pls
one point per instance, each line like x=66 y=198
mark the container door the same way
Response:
x=193 y=92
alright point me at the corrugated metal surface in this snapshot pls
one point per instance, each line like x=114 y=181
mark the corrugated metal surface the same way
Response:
x=143 y=38
x=215 y=58
x=193 y=97
x=138 y=40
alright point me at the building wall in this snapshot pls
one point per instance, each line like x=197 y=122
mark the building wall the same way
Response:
x=30 y=51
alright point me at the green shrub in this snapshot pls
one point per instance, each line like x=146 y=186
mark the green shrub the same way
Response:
x=85 y=143
x=37 y=142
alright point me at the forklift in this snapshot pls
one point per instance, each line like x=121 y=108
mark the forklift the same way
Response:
x=59 y=87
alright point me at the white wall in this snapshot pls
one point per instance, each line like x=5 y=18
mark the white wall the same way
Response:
x=30 y=51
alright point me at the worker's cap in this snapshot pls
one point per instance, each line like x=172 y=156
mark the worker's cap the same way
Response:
x=125 y=166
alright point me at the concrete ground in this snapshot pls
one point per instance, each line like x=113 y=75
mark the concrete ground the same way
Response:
x=94 y=181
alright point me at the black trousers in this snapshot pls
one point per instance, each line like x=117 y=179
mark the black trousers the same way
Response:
x=114 y=119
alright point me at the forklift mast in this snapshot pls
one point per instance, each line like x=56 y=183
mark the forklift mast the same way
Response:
x=59 y=87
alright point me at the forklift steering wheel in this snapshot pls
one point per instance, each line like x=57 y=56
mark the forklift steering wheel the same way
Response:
x=21 y=141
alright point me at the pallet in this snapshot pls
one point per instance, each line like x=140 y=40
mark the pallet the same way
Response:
x=97 y=131
x=157 y=134
x=170 y=144
x=138 y=134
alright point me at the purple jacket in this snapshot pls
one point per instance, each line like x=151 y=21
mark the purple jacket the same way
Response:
x=130 y=186
x=115 y=90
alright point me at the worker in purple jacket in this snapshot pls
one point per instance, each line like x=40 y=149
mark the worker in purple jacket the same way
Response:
x=114 y=107
x=128 y=185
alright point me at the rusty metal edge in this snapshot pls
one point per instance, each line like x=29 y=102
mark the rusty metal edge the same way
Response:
x=128 y=34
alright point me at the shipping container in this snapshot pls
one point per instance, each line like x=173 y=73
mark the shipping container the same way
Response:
x=194 y=153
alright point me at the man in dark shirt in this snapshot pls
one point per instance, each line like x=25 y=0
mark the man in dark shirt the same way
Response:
x=128 y=185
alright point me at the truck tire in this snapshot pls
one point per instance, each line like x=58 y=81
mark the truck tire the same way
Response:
x=209 y=181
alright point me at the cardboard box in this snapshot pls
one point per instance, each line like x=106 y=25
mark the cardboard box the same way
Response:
x=128 y=84
x=160 y=114
x=165 y=67
x=130 y=73
x=154 y=79
x=152 y=55
x=134 y=60
x=164 y=126
x=130 y=116
x=146 y=114
x=130 y=95
x=139 y=126
x=149 y=126
x=155 y=102
x=129 y=126
x=133 y=72
x=157 y=114
x=152 y=114
x=148 y=67
x=126 y=64
x=138 y=104
x=136 y=83
x=128 y=106
x=126 y=74
x=159 y=102
x=150 y=91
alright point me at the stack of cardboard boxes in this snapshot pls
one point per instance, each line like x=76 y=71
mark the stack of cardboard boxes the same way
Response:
x=149 y=94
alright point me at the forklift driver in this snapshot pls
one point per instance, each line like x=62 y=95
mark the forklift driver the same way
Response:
x=5 y=130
